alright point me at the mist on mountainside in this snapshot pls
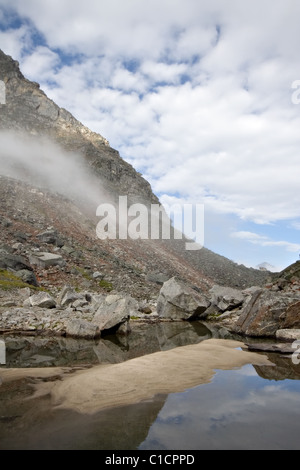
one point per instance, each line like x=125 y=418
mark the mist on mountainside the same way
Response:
x=44 y=164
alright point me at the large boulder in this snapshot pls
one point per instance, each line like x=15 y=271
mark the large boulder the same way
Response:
x=42 y=300
x=27 y=276
x=67 y=296
x=291 y=317
x=177 y=301
x=78 y=328
x=158 y=278
x=14 y=262
x=115 y=311
x=50 y=237
x=266 y=311
x=19 y=267
x=226 y=298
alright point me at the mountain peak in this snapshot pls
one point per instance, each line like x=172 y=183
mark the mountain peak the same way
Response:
x=28 y=110
x=9 y=67
x=37 y=110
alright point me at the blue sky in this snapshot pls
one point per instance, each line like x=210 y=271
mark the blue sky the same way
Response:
x=196 y=95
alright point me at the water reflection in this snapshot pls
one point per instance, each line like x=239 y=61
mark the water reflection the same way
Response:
x=31 y=351
x=284 y=368
x=249 y=408
x=238 y=410
x=39 y=427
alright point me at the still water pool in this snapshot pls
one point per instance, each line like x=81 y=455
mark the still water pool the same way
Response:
x=237 y=410
x=254 y=407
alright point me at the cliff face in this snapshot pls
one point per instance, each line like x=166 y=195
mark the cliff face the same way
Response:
x=28 y=109
x=136 y=266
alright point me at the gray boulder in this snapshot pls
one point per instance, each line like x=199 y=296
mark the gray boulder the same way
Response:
x=177 y=301
x=50 y=237
x=98 y=275
x=42 y=300
x=158 y=278
x=226 y=298
x=14 y=262
x=78 y=328
x=67 y=296
x=27 y=276
x=115 y=310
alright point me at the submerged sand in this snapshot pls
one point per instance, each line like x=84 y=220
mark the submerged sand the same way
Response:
x=106 y=386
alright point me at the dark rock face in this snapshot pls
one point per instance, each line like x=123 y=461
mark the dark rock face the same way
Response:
x=14 y=262
x=291 y=317
x=225 y=298
x=267 y=311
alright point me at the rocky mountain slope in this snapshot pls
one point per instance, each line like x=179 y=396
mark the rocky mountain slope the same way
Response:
x=38 y=216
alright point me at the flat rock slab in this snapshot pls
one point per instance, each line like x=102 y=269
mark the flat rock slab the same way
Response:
x=282 y=348
x=288 y=334
x=44 y=260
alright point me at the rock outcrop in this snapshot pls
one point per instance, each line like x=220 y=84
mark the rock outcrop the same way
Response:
x=80 y=315
x=261 y=315
x=115 y=311
x=273 y=308
x=42 y=300
x=177 y=301
x=223 y=299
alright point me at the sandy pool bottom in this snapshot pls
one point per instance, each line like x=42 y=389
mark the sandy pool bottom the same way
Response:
x=106 y=386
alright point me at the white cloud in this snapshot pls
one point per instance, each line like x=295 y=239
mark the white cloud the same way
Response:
x=161 y=72
x=266 y=241
x=13 y=41
x=296 y=225
x=228 y=136
x=41 y=63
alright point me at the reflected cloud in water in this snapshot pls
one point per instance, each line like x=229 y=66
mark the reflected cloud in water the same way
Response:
x=237 y=410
